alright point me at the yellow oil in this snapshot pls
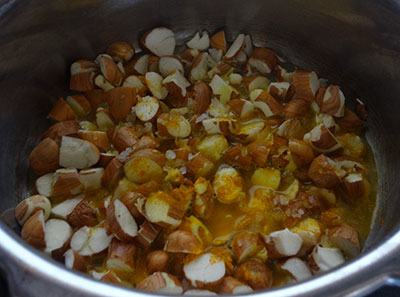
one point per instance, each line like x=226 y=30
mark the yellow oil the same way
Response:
x=228 y=218
x=359 y=214
x=222 y=220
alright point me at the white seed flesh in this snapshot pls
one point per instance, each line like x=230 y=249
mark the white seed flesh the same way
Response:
x=297 y=268
x=167 y=65
x=125 y=219
x=89 y=241
x=56 y=233
x=69 y=258
x=63 y=209
x=242 y=290
x=154 y=83
x=200 y=43
x=179 y=80
x=286 y=242
x=195 y=292
x=142 y=64
x=133 y=81
x=200 y=71
x=259 y=65
x=206 y=269
x=314 y=82
x=147 y=108
x=327 y=258
x=160 y=41
x=91 y=178
x=77 y=153
x=44 y=184
x=235 y=47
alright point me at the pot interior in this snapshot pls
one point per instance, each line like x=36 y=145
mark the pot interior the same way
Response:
x=352 y=43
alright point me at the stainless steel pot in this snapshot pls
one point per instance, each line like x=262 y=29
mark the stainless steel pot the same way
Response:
x=353 y=43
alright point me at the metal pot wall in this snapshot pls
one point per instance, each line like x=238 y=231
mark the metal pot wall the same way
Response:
x=352 y=43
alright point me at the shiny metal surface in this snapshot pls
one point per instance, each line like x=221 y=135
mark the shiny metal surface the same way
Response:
x=354 y=43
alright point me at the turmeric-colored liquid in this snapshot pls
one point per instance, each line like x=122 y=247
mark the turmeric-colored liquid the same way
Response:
x=225 y=219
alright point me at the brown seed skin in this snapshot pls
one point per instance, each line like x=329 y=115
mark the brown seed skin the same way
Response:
x=157 y=261
x=121 y=51
x=44 y=157
x=322 y=173
x=255 y=273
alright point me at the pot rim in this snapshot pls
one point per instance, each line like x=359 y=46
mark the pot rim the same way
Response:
x=360 y=276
